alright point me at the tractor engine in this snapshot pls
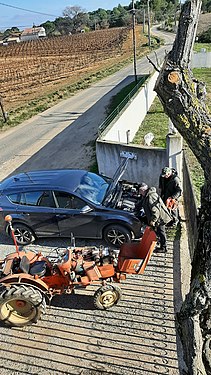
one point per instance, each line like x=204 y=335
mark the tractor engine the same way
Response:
x=76 y=261
x=130 y=200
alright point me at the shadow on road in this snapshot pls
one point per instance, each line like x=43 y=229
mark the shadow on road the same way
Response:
x=73 y=147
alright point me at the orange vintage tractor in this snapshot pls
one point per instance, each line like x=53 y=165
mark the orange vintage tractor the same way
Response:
x=29 y=279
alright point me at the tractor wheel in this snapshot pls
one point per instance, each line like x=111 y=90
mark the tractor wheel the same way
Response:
x=116 y=235
x=23 y=234
x=21 y=305
x=107 y=296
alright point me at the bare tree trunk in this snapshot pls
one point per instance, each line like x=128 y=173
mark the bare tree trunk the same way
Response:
x=183 y=97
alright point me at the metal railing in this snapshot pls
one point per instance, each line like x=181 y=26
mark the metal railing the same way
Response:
x=121 y=105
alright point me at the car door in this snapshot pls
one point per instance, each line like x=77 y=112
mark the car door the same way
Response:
x=75 y=216
x=37 y=210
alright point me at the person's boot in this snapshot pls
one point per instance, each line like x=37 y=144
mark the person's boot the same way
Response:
x=162 y=249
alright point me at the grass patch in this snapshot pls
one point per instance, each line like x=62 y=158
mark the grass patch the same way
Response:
x=156 y=122
x=94 y=167
x=198 y=46
x=196 y=173
x=120 y=96
x=204 y=75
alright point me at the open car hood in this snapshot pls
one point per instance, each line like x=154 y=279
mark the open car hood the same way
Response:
x=117 y=175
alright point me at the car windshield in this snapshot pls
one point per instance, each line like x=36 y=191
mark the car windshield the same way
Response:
x=92 y=187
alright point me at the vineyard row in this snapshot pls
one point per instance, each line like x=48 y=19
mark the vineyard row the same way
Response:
x=32 y=67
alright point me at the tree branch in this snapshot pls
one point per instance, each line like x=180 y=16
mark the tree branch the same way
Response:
x=151 y=62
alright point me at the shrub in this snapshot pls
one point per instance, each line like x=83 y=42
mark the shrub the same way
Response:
x=205 y=37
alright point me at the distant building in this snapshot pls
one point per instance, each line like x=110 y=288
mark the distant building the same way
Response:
x=10 y=39
x=33 y=33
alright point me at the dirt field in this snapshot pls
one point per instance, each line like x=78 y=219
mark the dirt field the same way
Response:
x=33 y=69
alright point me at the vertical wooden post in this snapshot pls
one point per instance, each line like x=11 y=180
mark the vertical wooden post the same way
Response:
x=2 y=109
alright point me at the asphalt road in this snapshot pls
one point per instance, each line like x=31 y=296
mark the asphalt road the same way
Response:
x=136 y=337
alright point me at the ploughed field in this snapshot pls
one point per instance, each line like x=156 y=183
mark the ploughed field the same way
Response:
x=35 y=68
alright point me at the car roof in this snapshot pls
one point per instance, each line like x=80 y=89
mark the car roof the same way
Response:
x=44 y=179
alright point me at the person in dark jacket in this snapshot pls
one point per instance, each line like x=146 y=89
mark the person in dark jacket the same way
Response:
x=156 y=213
x=170 y=190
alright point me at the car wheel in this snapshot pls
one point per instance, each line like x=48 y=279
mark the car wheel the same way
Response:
x=21 y=305
x=116 y=235
x=23 y=234
x=107 y=296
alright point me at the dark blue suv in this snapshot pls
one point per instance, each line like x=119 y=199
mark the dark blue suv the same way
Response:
x=60 y=202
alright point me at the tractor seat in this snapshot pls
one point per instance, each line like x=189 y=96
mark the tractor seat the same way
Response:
x=38 y=268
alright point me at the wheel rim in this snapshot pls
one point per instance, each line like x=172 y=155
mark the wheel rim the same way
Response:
x=116 y=237
x=23 y=235
x=108 y=298
x=18 y=311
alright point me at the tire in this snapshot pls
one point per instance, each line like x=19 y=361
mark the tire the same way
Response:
x=107 y=296
x=116 y=235
x=23 y=234
x=21 y=305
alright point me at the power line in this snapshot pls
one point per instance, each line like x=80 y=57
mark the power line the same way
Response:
x=28 y=10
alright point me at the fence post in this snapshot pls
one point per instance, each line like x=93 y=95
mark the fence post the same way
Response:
x=2 y=109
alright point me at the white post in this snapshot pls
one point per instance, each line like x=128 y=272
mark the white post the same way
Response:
x=175 y=152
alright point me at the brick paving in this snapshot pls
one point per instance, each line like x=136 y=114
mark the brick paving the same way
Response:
x=137 y=336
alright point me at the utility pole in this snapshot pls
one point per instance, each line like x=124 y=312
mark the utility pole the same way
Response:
x=148 y=12
x=134 y=41
x=143 y=20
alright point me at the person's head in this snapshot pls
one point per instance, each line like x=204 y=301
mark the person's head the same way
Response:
x=166 y=172
x=143 y=188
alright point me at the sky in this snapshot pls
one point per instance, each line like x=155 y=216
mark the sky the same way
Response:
x=11 y=16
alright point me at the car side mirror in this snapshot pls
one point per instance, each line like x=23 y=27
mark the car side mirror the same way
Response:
x=86 y=209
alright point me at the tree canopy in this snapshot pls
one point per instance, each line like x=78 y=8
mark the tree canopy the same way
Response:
x=75 y=18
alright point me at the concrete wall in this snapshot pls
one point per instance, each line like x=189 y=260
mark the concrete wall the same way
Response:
x=201 y=60
x=148 y=161
x=191 y=209
x=145 y=167
x=125 y=126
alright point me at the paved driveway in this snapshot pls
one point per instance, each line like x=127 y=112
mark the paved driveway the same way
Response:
x=135 y=337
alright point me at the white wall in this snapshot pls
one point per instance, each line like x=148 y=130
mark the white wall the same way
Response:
x=146 y=162
x=201 y=60
x=132 y=116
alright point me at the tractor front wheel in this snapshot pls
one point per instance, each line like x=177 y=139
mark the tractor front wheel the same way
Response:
x=21 y=305
x=107 y=296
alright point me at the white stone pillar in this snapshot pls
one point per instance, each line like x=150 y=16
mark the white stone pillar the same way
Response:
x=175 y=152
